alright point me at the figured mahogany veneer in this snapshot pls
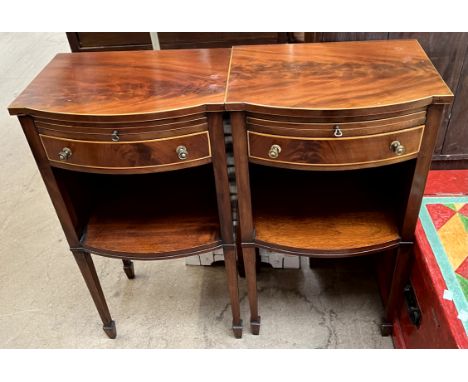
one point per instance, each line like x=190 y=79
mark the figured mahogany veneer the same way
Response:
x=334 y=153
x=126 y=157
x=352 y=76
x=110 y=84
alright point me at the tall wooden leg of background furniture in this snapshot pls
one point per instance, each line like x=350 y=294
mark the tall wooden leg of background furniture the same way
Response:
x=251 y=277
x=86 y=265
x=401 y=274
x=231 y=274
x=129 y=268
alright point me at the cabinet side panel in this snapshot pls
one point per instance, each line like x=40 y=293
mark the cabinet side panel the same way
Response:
x=65 y=210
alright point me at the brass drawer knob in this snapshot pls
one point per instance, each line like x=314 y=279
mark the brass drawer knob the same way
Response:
x=397 y=147
x=274 y=151
x=337 y=131
x=115 y=136
x=182 y=152
x=65 y=153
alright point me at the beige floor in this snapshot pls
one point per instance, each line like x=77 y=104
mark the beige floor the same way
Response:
x=45 y=304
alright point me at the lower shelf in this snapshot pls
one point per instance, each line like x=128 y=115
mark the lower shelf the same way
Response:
x=340 y=233
x=153 y=234
x=336 y=214
x=155 y=215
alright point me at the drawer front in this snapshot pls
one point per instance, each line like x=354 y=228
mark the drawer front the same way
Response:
x=127 y=157
x=123 y=131
x=316 y=153
x=336 y=129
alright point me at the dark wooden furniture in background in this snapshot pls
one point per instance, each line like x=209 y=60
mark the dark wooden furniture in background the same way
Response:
x=107 y=131
x=449 y=53
x=332 y=146
x=105 y=41
x=191 y=40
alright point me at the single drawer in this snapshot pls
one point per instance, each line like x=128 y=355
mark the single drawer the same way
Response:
x=325 y=153
x=128 y=156
x=122 y=131
x=335 y=129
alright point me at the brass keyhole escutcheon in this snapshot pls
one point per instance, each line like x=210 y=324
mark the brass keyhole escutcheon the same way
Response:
x=397 y=148
x=274 y=151
x=115 y=136
x=337 y=131
x=182 y=152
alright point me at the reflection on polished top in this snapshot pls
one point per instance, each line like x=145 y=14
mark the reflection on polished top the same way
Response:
x=121 y=83
x=342 y=75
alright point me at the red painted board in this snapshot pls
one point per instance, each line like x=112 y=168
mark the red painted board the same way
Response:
x=440 y=328
x=447 y=182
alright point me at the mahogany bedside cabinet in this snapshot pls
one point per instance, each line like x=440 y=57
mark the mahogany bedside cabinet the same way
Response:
x=130 y=146
x=332 y=146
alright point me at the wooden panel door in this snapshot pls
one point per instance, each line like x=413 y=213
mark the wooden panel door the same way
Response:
x=352 y=36
x=197 y=40
x=456 y=139
x=104 y=41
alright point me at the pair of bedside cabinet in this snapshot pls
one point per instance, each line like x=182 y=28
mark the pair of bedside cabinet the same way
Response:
x=332 y=146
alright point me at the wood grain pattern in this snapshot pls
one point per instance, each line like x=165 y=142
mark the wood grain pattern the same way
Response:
x=154 y=215
x=448 y=52
x=142 y=155
x=334 y=153
x=104 y=41
x=127 y=83
x=125 y=135
x=338 y=233
x=336 y=116
x=88 y=271
x=340 y=36
x=185 y=40
x=66 y=212
x=249 y=257
x=323 y=233
x=336 y=76
x=423 y=164
x=126 y=131
x=215 y=123
x=152 y=236
x=327 y=129
x=456 y=138
x=323 y=213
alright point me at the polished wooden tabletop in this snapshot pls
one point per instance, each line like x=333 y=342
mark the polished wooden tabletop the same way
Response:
x=341 y=75
x=123 y=83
